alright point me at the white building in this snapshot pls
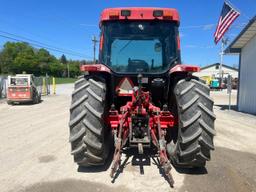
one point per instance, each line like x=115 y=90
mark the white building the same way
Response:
x=214 y=71
x=245 y=46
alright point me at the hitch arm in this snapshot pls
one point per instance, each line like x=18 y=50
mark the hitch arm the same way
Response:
x=164 y=161
x=118 y=146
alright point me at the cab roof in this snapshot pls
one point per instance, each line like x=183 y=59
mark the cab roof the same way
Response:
x=139 y=13
x=23 y=75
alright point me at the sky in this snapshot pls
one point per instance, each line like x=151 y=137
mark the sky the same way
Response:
x=70 y=25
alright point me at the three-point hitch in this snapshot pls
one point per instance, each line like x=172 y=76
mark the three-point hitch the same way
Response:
x=141 y=124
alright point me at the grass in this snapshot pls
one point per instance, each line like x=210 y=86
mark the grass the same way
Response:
x=64 y=80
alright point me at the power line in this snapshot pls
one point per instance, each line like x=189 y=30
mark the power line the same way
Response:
x=210 y=26
x=24 y=30
x=198 y=26
x=52 y=49
x=39 y=44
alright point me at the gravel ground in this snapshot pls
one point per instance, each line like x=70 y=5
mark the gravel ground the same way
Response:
x=35 y=154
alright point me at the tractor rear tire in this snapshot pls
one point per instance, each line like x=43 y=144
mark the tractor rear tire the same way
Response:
x=195 y=124
x=87 y=127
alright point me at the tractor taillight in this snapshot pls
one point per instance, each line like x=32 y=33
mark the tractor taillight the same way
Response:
x=113 y=14
x=192 y=68
x=167 y=13
x=90 y=68
x=94 y=68
x=185 y=68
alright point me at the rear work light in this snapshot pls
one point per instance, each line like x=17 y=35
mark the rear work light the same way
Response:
x=125 y=13
x=158 y=13
x=167 y=14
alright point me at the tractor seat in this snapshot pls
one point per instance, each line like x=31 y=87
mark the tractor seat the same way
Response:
x=137 y=65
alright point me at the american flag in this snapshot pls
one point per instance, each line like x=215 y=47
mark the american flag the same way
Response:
x=227 y=17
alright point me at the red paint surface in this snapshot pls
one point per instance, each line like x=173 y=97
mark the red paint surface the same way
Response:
x=19 y=93
x=147 y=109
x=139 y=13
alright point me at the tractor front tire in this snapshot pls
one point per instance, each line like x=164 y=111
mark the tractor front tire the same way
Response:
x=36 y=99
x=87 y=127
x=195 y=124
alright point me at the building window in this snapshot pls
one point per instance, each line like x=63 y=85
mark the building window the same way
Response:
x=217 y=67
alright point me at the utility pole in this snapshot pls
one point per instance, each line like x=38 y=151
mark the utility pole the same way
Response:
x=94 y=41
x=68 y=69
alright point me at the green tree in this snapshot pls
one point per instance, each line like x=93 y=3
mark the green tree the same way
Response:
x=56 y=69
x=74 y=68
x=25 y=61
x=19 y=57
x=9 y=53
x=64 y=61
x=49 y=64
x=44 y=59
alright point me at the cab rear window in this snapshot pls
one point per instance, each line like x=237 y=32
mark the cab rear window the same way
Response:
x=19 y=82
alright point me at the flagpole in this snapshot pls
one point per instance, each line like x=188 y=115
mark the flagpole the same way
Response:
x=221 y=60
x=227 y=17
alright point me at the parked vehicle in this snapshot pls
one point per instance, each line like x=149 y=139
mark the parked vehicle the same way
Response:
x=21 y=88
x=215 y=84
x=207 y=80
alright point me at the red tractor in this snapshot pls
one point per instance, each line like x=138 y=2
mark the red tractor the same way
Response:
x=140 y=96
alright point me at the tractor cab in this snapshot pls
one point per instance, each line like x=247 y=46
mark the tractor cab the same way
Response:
x=139 y=40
